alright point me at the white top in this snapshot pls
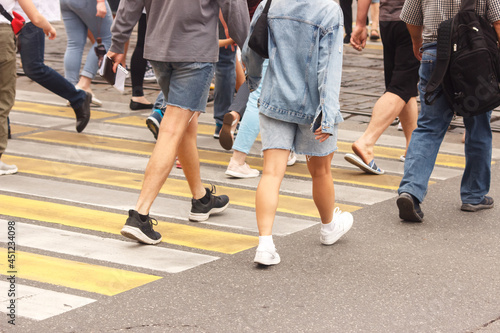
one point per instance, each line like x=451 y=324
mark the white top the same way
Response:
x=8 y=5
x=50 y=9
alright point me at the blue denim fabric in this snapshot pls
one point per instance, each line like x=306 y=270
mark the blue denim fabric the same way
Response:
x=302 y=83
x=80 y=16
x=278 y=134
x=160 y=101
x=249 y=125
x=225 y=83
x=433 y=122
x=32 y=48
x=185 y=84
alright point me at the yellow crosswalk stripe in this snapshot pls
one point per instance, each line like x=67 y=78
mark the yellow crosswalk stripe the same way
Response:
x=52 y=110
x=19 y=129
x=73 y=274
x=173 y=233
x=175 y=187
x=348 y=176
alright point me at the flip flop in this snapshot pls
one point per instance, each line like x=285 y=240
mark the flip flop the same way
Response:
x=368 y=168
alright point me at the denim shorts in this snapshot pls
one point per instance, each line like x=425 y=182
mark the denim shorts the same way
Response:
x=185 y=84
x=278 y=134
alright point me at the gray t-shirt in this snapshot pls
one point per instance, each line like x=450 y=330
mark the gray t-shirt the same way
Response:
x=179 y=30
x=390 y=10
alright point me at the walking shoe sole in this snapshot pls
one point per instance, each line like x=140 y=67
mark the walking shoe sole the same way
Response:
x=8 y=172
x=226 y=140
x=326 y=241
x=138 y=235
x=239 y=175
x=200 y=217
x=153 y=126
x=475 y=208
x=407 y=210
x=266 y=261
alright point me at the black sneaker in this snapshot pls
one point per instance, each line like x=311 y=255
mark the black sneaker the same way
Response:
x=83 y=113
x=409 y=208
x=200 y=212
x=486 y=203
x=140 y=231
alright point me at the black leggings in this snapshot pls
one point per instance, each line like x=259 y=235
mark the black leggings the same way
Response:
x=137 y=62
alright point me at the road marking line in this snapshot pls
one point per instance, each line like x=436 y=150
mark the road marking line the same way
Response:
x=53 y=110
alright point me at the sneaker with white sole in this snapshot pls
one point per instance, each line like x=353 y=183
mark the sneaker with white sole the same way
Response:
x=292 y=158
x=266 y=257
x=7 y=169
x=201 y=212
x=342 y=222
x=149 y=75
x=141 y=231
x=241 y=171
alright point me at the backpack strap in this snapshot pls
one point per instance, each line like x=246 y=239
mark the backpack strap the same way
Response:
x=442 y=60
x=468 y=5
x=5 y=14
x=266 y=7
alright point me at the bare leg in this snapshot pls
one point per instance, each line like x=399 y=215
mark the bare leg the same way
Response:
x=374 y=14
x=322 y=186
x=240 y=75
x=172 y=129
x=267 y=195
x=386 y=109
x=408 y=118
x=239 y=157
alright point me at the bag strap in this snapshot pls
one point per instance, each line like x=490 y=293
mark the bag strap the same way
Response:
x=5 y=14
x=468 y=5
x=266 y=7
x=442 y=60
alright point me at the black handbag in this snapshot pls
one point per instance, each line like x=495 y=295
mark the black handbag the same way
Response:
x=259 y=39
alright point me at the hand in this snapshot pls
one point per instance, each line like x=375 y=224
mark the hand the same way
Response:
x=117 y=59
x=358 y=37
x=101 y=9
x=50 y=32
x=417 y=52
x=320 y=135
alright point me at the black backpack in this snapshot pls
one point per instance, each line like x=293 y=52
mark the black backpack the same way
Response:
x=467 y=64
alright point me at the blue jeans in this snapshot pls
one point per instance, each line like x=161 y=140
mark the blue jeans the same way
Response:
x=225 y=83
x=249 y=126
x=433 y=122
x=80 y=16
x=32 y=49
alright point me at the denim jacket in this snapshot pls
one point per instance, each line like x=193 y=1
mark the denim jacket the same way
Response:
x=302 y=82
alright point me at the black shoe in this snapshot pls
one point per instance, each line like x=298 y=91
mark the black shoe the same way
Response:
x=486 y=203
x=409 y=208
x=140 y=231
x=347 y=39
x=83 y=113
x=200 y=212
x=140 y=106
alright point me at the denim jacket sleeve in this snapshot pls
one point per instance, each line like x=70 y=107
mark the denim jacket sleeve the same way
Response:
x=329 y=77
x=252 y=60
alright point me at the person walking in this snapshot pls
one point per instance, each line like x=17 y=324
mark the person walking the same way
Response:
x=8 y=66
x=422 y=18
x=401 y=78
x=309 y=60
x=184 y=72
x=31 y=41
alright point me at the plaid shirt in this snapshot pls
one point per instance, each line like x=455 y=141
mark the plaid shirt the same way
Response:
x=430 y=13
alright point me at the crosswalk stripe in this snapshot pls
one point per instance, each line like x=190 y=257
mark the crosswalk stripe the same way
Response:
x=59 y=111
x=19 y=129
x=207 y=156
x=39 y=304
x=177 y=187
x=107 y=249
x=73 y=274
x=173 y=233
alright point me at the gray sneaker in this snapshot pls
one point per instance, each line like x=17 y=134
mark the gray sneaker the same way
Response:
x=486 y=203
x=6 y=169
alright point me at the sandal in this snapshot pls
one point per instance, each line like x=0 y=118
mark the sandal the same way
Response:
x=374 y=36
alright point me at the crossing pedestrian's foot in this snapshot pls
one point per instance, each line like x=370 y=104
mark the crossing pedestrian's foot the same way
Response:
x=486 y=203
x=266 y=257
x=338 y=227
x=226 y=134
x=140 y=230
x=209 y=204
x=409 y=208
x=7 y=169
x=83 y=113
x=153 y=122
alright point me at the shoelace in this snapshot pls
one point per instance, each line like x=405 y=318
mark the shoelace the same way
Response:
x=151 y=223
x=213 y=190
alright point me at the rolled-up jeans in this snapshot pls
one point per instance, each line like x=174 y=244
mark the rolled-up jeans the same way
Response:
x=433 y=123
x=80 y=16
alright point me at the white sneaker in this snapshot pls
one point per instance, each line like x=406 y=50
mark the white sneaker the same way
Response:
x=292 y=158
x=267 y=257
x=241 y=171
x=6 y=169
x=342 y=222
